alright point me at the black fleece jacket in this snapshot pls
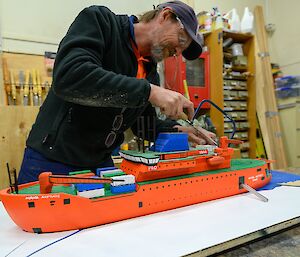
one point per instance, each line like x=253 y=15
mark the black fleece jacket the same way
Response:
x=93 y=79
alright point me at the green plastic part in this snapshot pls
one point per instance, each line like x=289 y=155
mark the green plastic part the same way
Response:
x=118 y=173
x=55 y=189
x=80 y=172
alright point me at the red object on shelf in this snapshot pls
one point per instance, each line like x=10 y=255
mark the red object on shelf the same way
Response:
x=196 y=74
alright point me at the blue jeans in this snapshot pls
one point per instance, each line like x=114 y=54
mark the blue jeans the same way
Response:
x=35 y=163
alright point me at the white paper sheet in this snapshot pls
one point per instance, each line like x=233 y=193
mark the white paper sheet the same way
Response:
x=172 y=233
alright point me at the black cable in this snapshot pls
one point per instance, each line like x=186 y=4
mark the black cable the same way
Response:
x=219 y=109
x=60 y=239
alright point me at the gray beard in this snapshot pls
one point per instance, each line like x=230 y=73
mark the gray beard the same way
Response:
x=157 y=53
x=160 y=52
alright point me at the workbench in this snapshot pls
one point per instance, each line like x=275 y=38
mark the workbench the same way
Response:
x=198 y=230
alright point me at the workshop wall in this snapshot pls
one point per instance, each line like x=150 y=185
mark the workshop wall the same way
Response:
x=284 y=42
x=225 y=6
x=35 y=26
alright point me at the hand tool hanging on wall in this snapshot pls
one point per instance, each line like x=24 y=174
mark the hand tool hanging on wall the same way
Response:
x=35 y=88
x=21 y=85
x=13 y=88
x=39 y=87
x=7 y=82
x=30 y=89
x=47 y=88
x=26 y=88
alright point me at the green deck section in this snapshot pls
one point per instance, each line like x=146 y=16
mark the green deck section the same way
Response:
x=79 y=172
x=236 y=164
x=33 y=190
x=118 y=173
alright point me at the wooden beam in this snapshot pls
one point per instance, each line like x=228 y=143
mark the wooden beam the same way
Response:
x=267 y=111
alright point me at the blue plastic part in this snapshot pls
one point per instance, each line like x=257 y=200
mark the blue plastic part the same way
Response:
x=171 y=142
x=89 y=186
x=98 y=170
x=116 y=151
x=123 y=189
x=279 y=177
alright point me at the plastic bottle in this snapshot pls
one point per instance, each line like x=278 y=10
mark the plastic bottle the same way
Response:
x=233 y=20
x=219 y=22
x=247 y=21
x=235 y=24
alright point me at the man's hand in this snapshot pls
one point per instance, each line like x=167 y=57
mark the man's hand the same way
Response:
x=194 y=138
x=171 y=103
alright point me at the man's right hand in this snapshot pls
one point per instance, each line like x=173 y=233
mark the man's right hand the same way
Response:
x=171 y=103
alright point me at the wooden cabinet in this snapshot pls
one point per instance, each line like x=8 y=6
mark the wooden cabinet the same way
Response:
x=239 y=81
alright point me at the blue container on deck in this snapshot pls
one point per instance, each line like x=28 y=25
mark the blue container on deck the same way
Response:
x=171 y=142
x=123 y=189
x=87 y=187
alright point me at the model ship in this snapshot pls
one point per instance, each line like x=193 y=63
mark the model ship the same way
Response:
x=169 y=176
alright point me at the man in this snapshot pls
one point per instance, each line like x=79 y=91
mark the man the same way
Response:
x=104 y=78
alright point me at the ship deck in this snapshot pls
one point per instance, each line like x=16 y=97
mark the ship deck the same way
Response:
x=236 y=164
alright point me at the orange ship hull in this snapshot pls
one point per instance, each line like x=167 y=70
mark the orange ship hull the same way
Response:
x=61 y=211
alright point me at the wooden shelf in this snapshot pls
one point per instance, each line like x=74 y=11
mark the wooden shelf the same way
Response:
x=214 y=41
x=237 y=37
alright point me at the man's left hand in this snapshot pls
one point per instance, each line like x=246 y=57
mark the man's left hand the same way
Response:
x=194 y=137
